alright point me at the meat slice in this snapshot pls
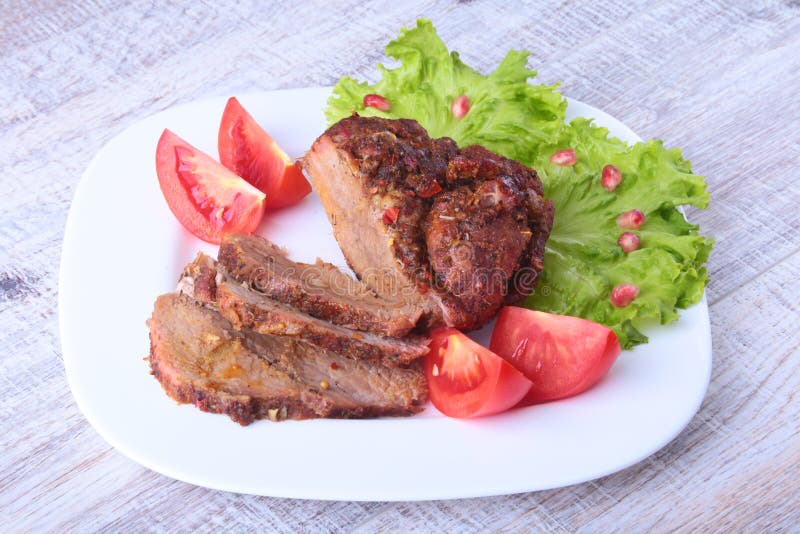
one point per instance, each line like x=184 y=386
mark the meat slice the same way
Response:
x=248 y=309
x=378 y=226
x=455 y=233
x=208 y=282
x=200 y=358
x=320 y=290
x=199 y=280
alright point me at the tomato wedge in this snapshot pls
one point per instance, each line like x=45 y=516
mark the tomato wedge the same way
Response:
x=208 y=199
x=561 y=355
x=249 y=151
x=468 y=380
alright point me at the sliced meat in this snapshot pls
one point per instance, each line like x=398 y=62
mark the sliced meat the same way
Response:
x=207 y=282
x=248 y=309
x=199 y=280
x=320 y=290
x=200 y=358
x=454 y=232
x=377 y=226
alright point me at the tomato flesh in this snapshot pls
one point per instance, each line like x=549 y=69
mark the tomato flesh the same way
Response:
x=208 y=199
x=249 y=151
x=561 y=355
x=468 y=380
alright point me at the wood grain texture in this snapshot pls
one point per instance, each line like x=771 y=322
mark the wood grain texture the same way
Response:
x=718 y=79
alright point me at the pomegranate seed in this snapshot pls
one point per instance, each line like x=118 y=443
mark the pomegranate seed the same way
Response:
x=628 y=241
x=565 y=158
x=377 y=102
x=623 y=294
x=334 y=366
x=630 y=220
x=611 y=177
x=460 y=106
x=431 y=190
x=390 y=215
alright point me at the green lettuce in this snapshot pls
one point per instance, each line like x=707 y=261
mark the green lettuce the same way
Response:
x=526 y=122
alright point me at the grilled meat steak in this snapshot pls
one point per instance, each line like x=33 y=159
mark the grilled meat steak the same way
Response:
x=200 y=358
x=207 y=281
x=320 y=290
x=248 y=309
x=455 y=233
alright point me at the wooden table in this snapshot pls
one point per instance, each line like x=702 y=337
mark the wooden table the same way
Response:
x=718 y=79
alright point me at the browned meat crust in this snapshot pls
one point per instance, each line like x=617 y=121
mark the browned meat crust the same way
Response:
x=454 y=233
x=199 y=279
x=480 y=233
x=247 y=309
x=199 y=358
x=320 y=290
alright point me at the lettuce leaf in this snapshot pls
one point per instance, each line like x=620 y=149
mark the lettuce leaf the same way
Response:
x=507 y=114
x=526 y=122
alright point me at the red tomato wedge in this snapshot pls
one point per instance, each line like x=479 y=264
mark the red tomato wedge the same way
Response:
x=208 y=199
x=468 y=380
x=561 y=355
x=249 y=151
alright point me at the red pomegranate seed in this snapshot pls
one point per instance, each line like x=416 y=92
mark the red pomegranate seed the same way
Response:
x=377 y=102
x=630 y=220
x=565 y=158
x=628 y=241
x=460 y=106
x=431 y=190
x=611 y=177
x=623 y=294
x=390 y=215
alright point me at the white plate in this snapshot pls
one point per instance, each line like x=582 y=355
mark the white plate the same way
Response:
x=122 y=248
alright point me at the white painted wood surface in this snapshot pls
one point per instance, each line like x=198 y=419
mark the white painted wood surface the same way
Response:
x=718 y=79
